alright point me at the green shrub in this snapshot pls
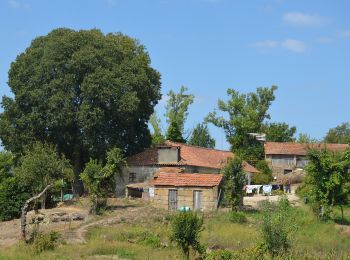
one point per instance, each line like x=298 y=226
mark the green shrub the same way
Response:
x=237 y=217
x=151 y=240
x=220 y=254
x=13 y=194
x=277 y=226
x=277 y=192
x=185 y=229
x=43 y=242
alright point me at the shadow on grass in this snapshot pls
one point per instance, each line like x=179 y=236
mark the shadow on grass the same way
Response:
x=341 y=221
x=116 y=207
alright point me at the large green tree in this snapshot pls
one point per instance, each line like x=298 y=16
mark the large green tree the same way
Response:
x=177 y=108
x=245 y=113
x=328 y=179
x=279 y=132
x=201 y=136
x=339 y=134
x=83 y=91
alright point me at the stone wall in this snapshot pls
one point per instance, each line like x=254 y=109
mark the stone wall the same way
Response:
x=185 y=197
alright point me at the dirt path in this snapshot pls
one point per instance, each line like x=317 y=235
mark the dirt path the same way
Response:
x=78 y=235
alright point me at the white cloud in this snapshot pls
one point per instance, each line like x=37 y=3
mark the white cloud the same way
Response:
x=17 y=4
x=294 y=45
x=325 y=40
x=289 y=44
x=266 y=45
x=302 y=19
x=111 y=2
x=345 y=33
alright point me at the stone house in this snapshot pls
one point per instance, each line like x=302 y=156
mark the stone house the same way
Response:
x=194 y=191
x=284 y=158
x=191 y=159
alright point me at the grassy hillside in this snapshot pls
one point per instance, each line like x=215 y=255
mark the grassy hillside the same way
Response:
x=141 y=232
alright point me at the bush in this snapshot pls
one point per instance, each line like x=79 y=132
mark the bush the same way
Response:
x=43 y=242
x=221 y=254
x=151 y=240
x=185 y=229
x=12 y=197
x=277 y=226
x=237 y=217
x=277 y=192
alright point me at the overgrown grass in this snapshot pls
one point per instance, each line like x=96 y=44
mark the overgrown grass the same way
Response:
x=313 y=239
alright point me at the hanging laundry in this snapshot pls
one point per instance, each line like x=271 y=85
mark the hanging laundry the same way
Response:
x=267 y=189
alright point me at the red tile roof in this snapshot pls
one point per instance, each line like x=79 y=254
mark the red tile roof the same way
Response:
x=300 y=149
x=189 y=155
x=187 y=179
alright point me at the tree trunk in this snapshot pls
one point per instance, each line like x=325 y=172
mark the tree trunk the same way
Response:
x=25 y=210
x=342 y=213
x=43 y=201
x=78 y=188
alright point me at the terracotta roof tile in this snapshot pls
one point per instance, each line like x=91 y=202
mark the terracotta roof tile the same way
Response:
x=300 y=149
x=187 y=179
x=189 y=155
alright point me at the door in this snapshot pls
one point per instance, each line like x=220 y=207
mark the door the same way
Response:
x=197 y=200
x=172 y=199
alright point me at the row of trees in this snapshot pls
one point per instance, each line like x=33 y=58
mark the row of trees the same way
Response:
x=41 y=166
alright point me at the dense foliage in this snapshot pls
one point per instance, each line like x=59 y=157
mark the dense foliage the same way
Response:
x=157 y=135
x=13 y=194
x=328 y=180
x=201 y=137
x=84 y=92
x=264 y=176
x=277 y=226
x=234 y=180
x=41 y=165
x=174 y=133
x=246 y=113
x=279 y=132
x=177 y=108
x=339 y=134
x=306 y=139
x=185 y=230
x=100 y=179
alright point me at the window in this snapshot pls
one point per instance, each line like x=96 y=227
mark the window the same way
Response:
x=286 y=171
x=132 y=177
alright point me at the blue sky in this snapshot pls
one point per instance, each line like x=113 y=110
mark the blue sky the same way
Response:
x=303 y=47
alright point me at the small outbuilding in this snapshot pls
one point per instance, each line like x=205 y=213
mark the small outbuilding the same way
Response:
x=179 y=190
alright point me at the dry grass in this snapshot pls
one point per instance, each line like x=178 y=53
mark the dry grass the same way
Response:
x=145 y=236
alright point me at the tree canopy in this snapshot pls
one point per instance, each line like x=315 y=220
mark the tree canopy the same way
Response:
x=83 y=91
x=157 y=135
x=234 y=180
x=245 y=113
x=201 y=136
x=306 y=139
x=279 y=132
x=41 y=166
x=329 y=180
x=177 y=108
x=339 y=134
x=174 y=133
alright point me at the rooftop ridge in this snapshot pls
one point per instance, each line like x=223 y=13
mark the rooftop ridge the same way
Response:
x=195 y=146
